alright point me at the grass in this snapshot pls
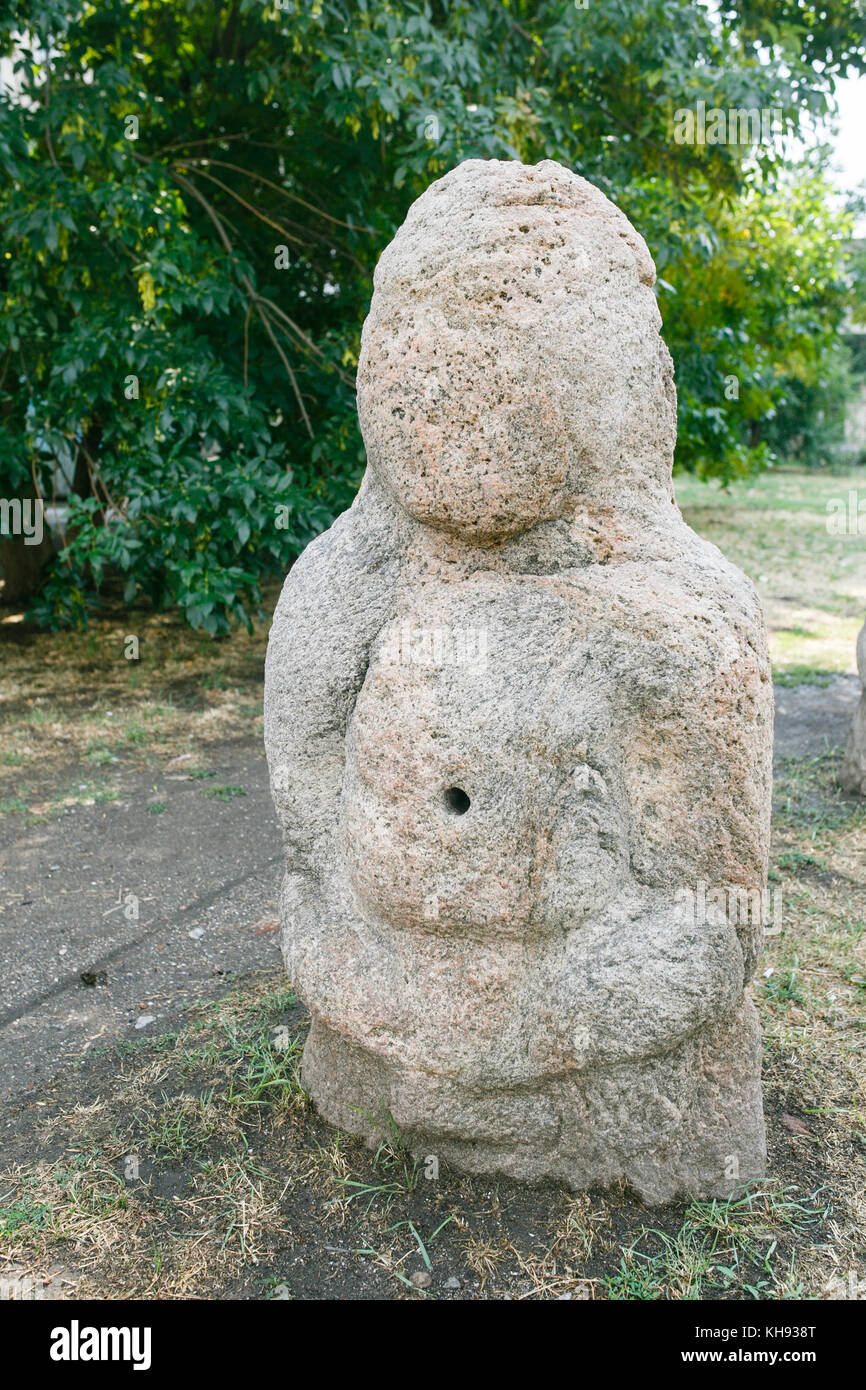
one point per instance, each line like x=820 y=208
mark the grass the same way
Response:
x=101 y=757
x=178 y=1126
x=64 y=695
x=808 y=799
x=721 y=1246
x=812 y=583
x=397 y=1170
x=192 y=1165
x=37 y=807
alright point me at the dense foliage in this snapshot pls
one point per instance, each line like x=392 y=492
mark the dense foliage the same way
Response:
x=193 y=196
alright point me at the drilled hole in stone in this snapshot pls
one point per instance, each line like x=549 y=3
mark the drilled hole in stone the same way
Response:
x=456 y=801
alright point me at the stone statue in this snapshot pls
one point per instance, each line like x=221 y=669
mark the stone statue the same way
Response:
x=852 y=774
x=519 y=725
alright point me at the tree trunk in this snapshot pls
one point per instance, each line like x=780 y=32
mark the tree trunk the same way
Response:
x=21 y=564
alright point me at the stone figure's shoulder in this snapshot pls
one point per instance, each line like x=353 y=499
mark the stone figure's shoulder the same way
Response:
x=721 y=579
x=347 y=569
x=692 y=572
x=336 y=598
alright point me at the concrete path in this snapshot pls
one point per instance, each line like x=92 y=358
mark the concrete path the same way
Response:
x=810 y=719
x=80 y=970
x=112 y=914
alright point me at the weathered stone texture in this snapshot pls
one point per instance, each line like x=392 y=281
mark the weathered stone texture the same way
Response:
x=516 y=712
x=852 y=774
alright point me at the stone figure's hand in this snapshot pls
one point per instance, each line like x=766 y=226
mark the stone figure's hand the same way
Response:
x=636 y=985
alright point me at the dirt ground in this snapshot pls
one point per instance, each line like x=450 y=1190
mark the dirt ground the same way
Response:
x=155 y=1141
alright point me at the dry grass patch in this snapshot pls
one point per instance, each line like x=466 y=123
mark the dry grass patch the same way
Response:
x=75 y=695
x=812 y=584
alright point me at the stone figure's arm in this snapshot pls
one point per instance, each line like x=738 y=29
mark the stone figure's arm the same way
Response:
x=334 y=601
x=639 y=984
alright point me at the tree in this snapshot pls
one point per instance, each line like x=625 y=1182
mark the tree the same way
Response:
x=194 y=197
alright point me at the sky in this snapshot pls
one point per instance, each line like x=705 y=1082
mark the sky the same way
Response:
x=849 y=161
